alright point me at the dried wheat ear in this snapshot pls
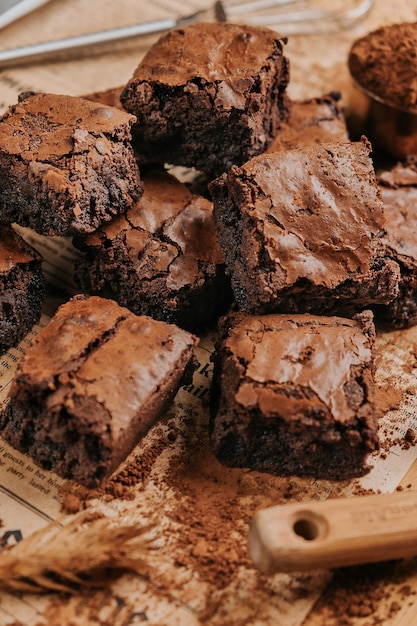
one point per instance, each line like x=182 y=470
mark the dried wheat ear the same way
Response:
x=87 y=552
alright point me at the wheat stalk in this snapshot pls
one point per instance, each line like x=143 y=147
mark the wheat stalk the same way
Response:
x=86 y=552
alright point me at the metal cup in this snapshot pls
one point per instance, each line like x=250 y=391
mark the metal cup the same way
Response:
x=391 y=129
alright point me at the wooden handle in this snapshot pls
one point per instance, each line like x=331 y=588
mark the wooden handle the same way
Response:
x=334 y=533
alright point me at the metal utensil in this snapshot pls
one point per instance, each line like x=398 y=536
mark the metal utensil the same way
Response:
x=334 y=533
x=11 y=10
x=308 y=19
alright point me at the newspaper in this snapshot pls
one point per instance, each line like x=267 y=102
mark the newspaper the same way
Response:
x=181 y=591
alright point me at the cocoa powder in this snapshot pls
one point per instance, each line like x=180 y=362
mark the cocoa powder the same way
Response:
x=367 y=595
x=384 y=63
x=128 y=479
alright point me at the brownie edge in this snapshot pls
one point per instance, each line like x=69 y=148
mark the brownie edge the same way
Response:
x=22 y=287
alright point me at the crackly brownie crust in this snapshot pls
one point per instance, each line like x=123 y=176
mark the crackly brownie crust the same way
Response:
x=161 y=259
x=399 y=194
x=91 y=385
x=22 y=287
x=301 y=231
x=209 y=95
x=313 y=121
x=294 y=395
x=66 y=164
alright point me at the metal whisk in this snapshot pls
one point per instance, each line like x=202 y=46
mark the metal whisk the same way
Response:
x=306 y=18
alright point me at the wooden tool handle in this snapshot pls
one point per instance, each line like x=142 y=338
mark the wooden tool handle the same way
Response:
x=334 y=533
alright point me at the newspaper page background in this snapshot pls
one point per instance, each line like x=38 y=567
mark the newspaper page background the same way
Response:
x=201 y=571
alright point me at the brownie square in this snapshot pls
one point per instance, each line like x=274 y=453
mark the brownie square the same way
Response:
x=91 y=385
x=162 y=259
x=399 y=194
x=22 y=287
x=301 y=231
x=312 y=121
x=294 y=394
x=66 y=164
x=209 y=95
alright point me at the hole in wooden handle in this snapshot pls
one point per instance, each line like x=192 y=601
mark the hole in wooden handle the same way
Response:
x=309 y=526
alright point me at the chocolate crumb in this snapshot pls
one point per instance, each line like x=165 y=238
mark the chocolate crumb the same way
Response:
x=71 y=504
x=410 y=435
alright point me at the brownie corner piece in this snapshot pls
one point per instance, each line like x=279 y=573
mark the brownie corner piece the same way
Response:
x=90 y=386
x=301 y=231
x=294 y=394
x=22 y=287
x=209 y=95
x=66 y=164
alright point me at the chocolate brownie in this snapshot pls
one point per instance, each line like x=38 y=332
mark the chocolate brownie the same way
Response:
x=317 y=120
x=91 y=385
x=301 y=231
x=162 y=259
x=294 y=394
x=22 y=287
x=110 y=97
x=209 y=95
x=399 y=195
x=66 y=164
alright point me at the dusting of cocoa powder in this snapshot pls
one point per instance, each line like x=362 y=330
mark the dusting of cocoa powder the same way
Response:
x=387 y=397
x=210 y=511
x=368 y=595
x=131 y=476
x=384 y=62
